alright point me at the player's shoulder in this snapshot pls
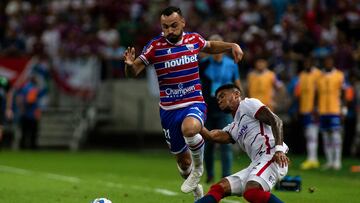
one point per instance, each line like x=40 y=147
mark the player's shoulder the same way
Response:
x=270 y=72
x=248 y=100
x=155 y=41
x=249 y=103
x=339 y=72
x=190 y=34
x=193 y=37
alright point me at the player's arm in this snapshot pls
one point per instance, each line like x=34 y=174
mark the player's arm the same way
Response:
x=133 y=66
x=217 y=47
x=266 y=116
x=218 y=136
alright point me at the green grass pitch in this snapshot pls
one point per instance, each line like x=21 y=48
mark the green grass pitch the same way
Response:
x=137 y=177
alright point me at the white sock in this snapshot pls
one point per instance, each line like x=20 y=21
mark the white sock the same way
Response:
x=185 y=173
x=337 y=145
x=196 y=146
x=311 y=133
x=328 y=148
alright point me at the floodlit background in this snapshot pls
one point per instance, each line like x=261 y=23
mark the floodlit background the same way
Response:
x=99 y=133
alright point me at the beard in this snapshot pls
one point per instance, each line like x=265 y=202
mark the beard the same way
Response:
x=226 y=110
x=174 y=38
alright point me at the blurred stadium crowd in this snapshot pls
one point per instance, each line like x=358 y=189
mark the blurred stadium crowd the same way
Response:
x=285 y=32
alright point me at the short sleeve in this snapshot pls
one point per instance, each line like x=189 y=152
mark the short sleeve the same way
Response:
x=147 y=54
x=231 y=130
x=201 y=41
x=250 y=106
x=228 y=127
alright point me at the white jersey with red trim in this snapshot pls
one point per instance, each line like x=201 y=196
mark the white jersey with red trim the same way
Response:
x=254 y=137
x=177 y=69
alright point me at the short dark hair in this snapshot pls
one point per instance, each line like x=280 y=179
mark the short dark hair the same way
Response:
x=228 y=87
x=170 y=10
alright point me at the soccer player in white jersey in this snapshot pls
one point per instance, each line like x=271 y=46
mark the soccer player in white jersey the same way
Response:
x=174 y=55
x=258 y=131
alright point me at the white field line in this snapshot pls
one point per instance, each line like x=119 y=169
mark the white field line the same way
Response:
x=62 y=178
x=71 y=179
x=18 y=171
x=166 y=192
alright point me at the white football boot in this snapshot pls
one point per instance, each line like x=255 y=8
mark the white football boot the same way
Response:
x=192 y=181
x=198 y=192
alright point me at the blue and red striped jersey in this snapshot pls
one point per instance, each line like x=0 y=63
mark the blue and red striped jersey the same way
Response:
x=177 y=69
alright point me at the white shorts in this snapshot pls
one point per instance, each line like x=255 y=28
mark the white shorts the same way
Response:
x=264 y=171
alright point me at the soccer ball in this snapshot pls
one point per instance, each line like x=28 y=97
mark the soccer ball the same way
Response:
x=101 y=200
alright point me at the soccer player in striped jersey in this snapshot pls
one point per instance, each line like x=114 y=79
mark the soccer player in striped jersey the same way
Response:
x=305 y=93
x=174 y=54
x=258 y=131
x=330 y=87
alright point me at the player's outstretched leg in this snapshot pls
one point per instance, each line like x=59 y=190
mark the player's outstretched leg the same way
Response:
x=190 y=129
x=196 y=146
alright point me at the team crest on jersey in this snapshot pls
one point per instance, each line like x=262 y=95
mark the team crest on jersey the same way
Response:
x=190 y=47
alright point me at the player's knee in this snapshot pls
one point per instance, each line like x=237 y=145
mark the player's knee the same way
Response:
x=256 y=195
x=190 y=127
x=188 y=131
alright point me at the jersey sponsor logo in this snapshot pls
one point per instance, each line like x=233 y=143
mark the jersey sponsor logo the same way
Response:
x=181 y=61
x=243 y=131
x=181 y=91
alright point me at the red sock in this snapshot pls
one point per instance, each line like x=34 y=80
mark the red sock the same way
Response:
x=257 y=195
x=217 y=192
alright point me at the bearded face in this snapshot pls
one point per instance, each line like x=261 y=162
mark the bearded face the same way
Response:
x=172 y=27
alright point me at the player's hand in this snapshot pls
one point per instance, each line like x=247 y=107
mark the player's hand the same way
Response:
x=237 y=53
x=281 y=159
x=129 y=56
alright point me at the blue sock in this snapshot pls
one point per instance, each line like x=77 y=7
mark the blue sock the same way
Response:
x=207 y=199
x=274 y=199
